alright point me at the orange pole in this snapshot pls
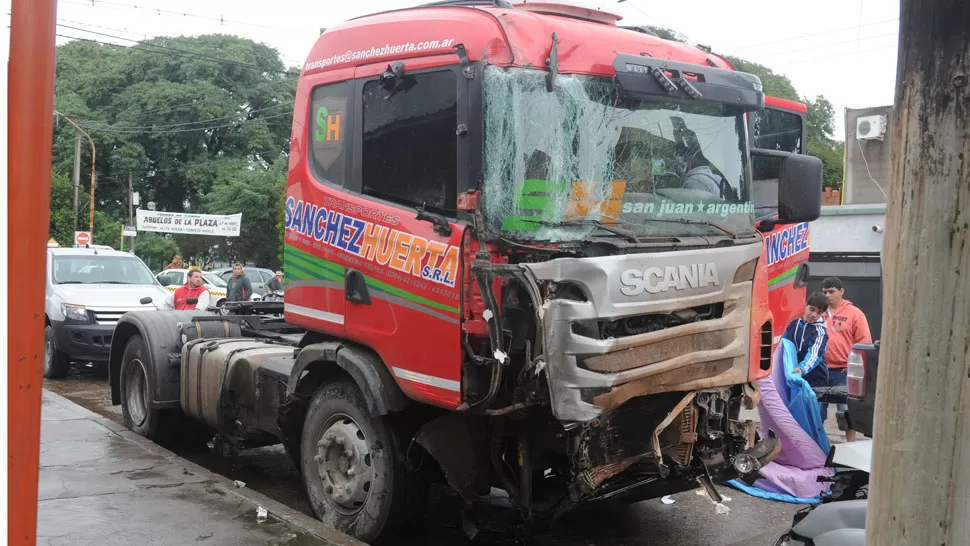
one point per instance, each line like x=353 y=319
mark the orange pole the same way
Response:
x=30 y=99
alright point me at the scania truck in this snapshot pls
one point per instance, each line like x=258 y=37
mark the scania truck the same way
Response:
x=520 y=253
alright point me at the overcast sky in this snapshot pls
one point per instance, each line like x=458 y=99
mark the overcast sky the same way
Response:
x=843 y=49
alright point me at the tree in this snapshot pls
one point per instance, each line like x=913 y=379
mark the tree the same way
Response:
x=821 y=144
x=166 y=108
x=256 y=193
x=61 y=226
x=155 y=249
x=920 y=492
x=775 y=85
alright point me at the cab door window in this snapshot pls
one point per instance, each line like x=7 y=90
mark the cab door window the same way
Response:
x=777 y=130
x=410 y=149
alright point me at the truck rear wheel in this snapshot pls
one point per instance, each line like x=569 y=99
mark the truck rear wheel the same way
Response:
x=136 y=389
x=353 y=468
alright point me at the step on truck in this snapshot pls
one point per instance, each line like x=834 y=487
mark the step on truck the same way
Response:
x=520 y=253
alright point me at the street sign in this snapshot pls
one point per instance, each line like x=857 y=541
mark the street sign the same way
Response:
x=82 y=237
x=130 y=231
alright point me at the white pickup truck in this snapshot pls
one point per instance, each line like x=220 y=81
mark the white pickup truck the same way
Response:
x=88 y=289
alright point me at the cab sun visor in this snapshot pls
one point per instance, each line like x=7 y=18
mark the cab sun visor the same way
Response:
x=682 y=82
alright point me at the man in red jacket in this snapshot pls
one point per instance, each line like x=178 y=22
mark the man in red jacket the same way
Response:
x=193 y=288
x=846 y=325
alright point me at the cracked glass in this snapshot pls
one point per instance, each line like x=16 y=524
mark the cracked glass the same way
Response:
x=561 y=164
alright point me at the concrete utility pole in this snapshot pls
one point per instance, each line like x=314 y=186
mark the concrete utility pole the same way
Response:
x=920 y=491
x=94 y=157
x=131 y=212
x=77 y=171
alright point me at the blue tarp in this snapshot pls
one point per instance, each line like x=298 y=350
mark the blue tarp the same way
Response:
x=790 y=409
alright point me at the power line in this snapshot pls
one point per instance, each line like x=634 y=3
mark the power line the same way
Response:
x=178 y=50
x=821 y=33
x=651 y=17
x=110 y=125
x=844 y=53
x=810 y=48
x=124 y=130
x=146 y=36
x=221 y=20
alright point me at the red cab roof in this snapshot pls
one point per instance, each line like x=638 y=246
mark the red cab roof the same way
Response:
x=505 y=36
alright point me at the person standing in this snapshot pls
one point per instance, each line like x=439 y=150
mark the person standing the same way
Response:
x=239 y=288
x=846 y=325
x=194 y=287
x=275 y=284
x=176 y=263
x=809 y=336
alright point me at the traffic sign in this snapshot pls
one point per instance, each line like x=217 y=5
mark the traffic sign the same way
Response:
x=82 y=237
x=130 y=231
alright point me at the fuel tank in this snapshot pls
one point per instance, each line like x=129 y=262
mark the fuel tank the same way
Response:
x=234 y=385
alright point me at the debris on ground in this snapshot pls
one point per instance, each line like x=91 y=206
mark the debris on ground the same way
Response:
x=261 y=514
x=239 y=484
x=667 y=500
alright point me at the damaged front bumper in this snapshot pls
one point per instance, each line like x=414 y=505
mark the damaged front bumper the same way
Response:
x=663 y=444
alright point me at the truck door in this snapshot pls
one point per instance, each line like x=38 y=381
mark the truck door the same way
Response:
x=403 y=295
x=777 y=131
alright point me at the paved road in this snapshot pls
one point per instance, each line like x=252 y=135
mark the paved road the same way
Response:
x=689 y=521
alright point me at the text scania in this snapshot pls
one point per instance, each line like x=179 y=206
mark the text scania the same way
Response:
x=786 y=243
x=677 y=277
x=410 y=254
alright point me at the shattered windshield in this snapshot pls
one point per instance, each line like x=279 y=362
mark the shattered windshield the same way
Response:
x=561 y=165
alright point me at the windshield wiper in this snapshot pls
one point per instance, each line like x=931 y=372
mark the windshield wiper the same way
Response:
x=71 y=282
x=114 y=282
x=700 y=222
x=587 y=222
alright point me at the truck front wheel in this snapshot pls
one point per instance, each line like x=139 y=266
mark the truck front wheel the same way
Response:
x=353 y=468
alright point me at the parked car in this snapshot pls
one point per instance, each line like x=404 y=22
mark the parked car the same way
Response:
x=88 y=289
x=258 y=276
x=174 y=278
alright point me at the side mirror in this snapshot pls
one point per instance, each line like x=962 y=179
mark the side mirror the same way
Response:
x=800 y=189
x=146 y=300
x=192 y=301
x=165 y=280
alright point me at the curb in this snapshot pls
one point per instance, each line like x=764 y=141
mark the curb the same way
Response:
x=287 y=515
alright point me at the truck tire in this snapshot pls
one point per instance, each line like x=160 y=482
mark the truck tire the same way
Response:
x=353 y=468
x=136 y=389
x=56 y=363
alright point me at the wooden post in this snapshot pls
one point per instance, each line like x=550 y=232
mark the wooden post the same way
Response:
x=920 y=491
x=30 y=101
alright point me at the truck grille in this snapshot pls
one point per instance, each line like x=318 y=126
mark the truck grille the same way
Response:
x=108 y=316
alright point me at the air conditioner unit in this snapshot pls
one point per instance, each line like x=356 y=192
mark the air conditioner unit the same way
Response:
x=870 y=127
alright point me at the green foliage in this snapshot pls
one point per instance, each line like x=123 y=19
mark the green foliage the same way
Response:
x=667 y=33
x=155 y=249
x=775 y=85
x=106 y=230
x=61 y=226
x=256 y=193
x=176 y=122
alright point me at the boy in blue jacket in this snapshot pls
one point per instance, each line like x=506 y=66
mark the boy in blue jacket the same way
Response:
x=810 y=338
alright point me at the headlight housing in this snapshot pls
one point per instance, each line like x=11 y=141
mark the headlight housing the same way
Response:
x=75 y=312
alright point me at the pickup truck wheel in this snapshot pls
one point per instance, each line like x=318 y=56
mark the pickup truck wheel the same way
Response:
x=56 y=363
x=353 y=468
x=136 y=391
